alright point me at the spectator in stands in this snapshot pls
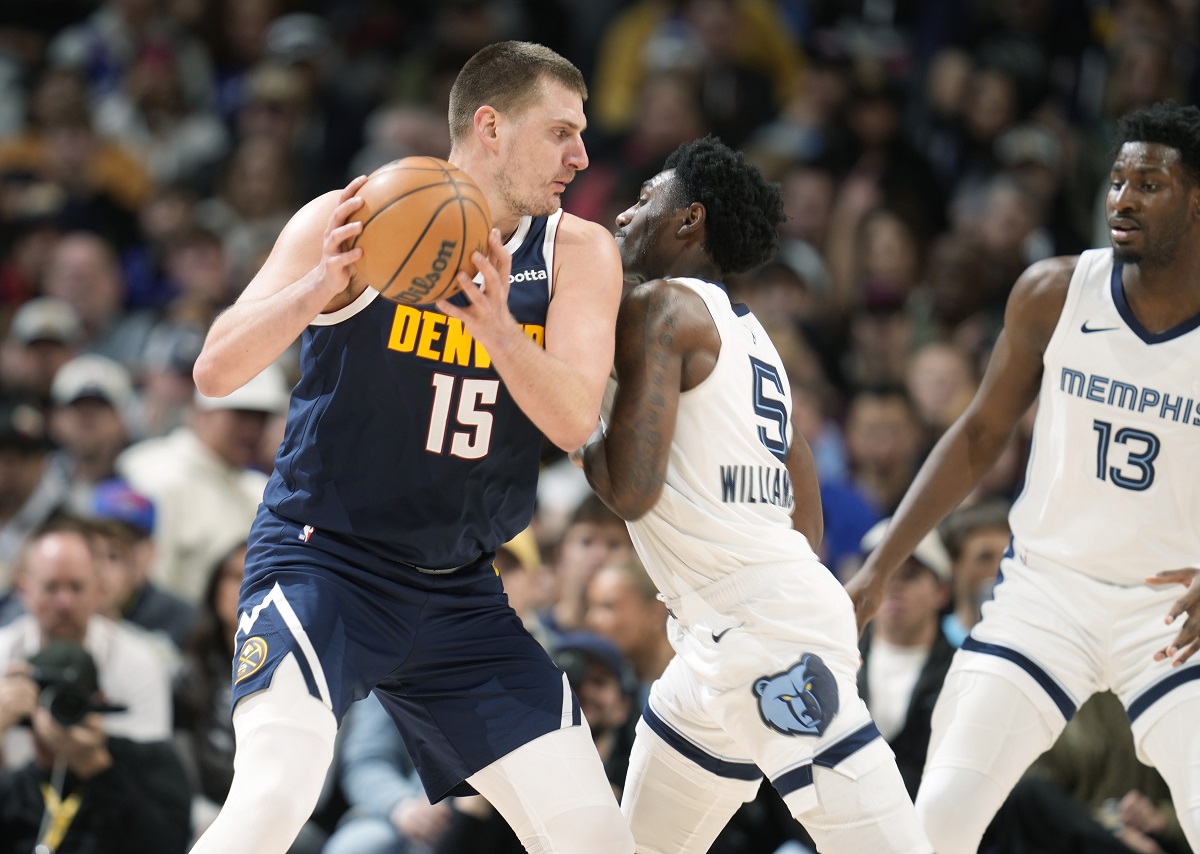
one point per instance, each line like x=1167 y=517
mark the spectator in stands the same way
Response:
x=89 y=396
x=200 y=479
x=86 y=790
x=976 y=537
x=124 y=522
x=43 y=336
x=60 y=586
x=905 y=653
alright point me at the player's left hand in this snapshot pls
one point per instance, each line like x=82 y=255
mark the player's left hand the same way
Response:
x=486 y=316
x=1187 y=642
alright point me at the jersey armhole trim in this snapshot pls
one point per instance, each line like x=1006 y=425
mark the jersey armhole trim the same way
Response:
x=346 y=312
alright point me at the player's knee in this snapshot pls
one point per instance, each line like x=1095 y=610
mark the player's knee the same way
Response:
x=950 y=810
x=591 y=830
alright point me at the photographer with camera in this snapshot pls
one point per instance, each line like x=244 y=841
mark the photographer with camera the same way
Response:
x=59 y=585
x=85 y=791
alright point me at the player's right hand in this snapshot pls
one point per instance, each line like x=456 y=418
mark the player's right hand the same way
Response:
x=866 y=588
x=337 y=261
x=1187 y=642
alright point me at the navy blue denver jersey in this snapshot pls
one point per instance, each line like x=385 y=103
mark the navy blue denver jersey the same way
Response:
x=401 y=437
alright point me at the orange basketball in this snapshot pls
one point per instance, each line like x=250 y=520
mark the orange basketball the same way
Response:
x=422 y=218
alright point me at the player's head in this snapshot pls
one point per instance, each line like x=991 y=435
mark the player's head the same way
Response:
x=1154 y=190
x=523 y=103
x=707 y=200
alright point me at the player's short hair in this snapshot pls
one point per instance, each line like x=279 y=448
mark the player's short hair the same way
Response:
x=509 y=77
x=1165 y=123
x=743 y=209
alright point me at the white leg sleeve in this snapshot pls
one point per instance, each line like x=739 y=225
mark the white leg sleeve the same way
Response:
x=986 y=732
x=672 y=805
x=554 y=795
x=285 y=740
x=1172 y=746
x=870 y=813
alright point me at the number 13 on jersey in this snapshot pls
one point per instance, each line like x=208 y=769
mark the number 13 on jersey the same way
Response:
x=459 y=416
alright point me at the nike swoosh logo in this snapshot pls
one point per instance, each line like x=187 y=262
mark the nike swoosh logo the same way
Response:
x=1085 y=328
x=718 y=635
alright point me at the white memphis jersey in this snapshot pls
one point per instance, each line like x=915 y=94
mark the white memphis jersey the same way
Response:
x=727 y=500
x=1111 y=485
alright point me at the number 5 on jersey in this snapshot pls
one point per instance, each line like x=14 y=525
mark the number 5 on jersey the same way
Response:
x=470 y=434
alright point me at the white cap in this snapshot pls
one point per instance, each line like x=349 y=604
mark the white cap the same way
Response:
x=92 y=376
x=46 y=319
x=930 y=552
x=267 y=392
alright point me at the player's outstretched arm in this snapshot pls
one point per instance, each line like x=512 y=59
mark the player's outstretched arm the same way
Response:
x=560 y=387
x=628 y=467
x=1187 y=642
x=969 y=448
x=307 y=272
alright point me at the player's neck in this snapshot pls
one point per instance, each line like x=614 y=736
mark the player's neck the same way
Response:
x=1162 y=296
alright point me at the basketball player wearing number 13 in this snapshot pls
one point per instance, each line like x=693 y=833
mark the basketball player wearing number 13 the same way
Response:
x=1107 y=527
x=406 y=461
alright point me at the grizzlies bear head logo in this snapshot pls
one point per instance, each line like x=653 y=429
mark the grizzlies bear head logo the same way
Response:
x=799 y=701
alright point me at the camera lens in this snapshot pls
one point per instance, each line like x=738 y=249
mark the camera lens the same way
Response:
x=67 y=704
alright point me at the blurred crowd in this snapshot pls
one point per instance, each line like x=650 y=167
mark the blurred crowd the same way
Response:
x=151 y=150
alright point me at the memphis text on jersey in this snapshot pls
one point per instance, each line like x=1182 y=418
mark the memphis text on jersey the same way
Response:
x=1128 y=396
x=433 y=335
x=757 y=485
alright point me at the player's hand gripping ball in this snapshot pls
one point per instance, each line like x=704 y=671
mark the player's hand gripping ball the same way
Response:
x=422 y=218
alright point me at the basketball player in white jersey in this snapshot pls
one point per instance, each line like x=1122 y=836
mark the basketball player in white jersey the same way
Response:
x=1106 y=527
x=723 y=506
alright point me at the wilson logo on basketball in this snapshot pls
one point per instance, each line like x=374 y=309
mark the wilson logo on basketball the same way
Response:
x=424 y=284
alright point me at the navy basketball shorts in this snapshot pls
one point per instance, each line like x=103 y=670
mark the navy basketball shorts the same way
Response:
x=450 y=660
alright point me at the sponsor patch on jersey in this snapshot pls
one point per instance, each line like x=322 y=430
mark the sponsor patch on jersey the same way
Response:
x=802 y=700
x=251 y=658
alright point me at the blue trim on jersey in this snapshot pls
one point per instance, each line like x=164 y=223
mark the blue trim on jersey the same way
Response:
x=1056 y=692
x=1159 y=690
x=794 y=780
x=1118 y=295
x=842 y=750
x=721 y=767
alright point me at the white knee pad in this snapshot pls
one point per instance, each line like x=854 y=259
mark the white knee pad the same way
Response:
x=672 y=805
x=1171 y=745
x=553 y=793
x=986 y=732
x=869 y=813
x=285 y=739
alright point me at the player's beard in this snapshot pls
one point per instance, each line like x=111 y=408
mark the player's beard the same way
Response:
x=1158 y=250
x=523 y=204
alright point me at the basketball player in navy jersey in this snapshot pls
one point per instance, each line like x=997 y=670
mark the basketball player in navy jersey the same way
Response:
x=1105 y=529
x=721 y=496
x=411 y=452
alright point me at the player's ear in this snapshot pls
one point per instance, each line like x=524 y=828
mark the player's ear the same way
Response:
x=486 y=126
x=694 y=219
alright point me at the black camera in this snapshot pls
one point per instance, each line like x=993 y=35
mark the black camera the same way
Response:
x=70 y=687
x=67 y=701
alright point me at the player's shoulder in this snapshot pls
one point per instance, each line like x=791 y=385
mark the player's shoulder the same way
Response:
x=586 y=254
x=666 y=303
x=1037 y=299
x=1047 y=278
x=582 y=239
